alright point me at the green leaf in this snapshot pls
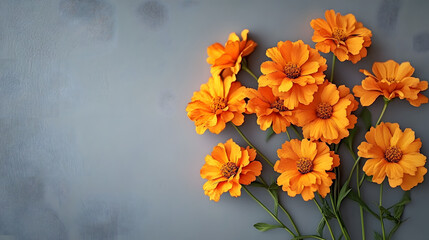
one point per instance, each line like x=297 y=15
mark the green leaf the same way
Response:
x=377 y=236
x=365 y=115
x=398 y=208
x=355 y=197
x=368 y=178
x=275 y=196
x=274 y=186
x=321 y=226
x=387 y=214
x=349 y=140
x=394 y=229
x=398 y=211
x=345 y=190
x=327 y=212
x=257 y=184
x=265 y=226
x=270 y=133
x=325 y=203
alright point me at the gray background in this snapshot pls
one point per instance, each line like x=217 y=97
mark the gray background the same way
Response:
x=95 y=141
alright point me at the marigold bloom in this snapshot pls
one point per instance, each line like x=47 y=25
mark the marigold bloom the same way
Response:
x=391 y=80
x=294 y=72
x=304 y=167
x=394 y=154
x=328 y=117
x=217 y=103
x=269 y=109
x=226 y=60
x=227 y=168
x=342 y=35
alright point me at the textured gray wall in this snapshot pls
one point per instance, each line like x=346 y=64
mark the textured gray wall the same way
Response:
x=95 y=142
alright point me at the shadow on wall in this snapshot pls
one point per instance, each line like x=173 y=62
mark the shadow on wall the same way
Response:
x=421 y=42
x=387 y=14
x=154 y=14
x=97 y=16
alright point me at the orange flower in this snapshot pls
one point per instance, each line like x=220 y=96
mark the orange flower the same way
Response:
x=294 y=73
x=391 y=80
x=227 y=60
x=227 y=168
x=393 y=153
x=328 y=117
x=304 y=167
x=269 y=109
x=342 y=35
x=217 y=103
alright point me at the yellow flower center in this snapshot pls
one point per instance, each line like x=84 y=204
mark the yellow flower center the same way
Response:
x=279 y=105
x=339 y=34
x=393 y=154
x=324 y=111
x=391 y=80
x=217 y=103
x=292 y=70
x=304 y=165
x=229 y=169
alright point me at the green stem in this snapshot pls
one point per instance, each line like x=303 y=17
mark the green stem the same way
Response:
x=308 y=236
x=251 y=145
x=381 y=213
x=341 y=222
x=354 y=165
x=287 y=133
x=360 y=207
x=245 y=68
x=296 y=132
x=361 y=180
x=324 y=218
x=266 y=209
x=338 y=217
x=358 y=183
x=337 y=146
x=337 y=172
x=282 y=208
x=386 y=102
x=333 y=67
x=290 y=218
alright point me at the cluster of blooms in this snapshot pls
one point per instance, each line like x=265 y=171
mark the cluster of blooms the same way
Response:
x=293 y=90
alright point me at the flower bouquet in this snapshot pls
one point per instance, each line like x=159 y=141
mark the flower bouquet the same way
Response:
x=294 y=94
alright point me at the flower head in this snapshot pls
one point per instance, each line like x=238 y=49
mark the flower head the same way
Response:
x=218 y=102
x=269 y=109
x=393 y=153
x=342 y=35
x=328 y=117
x=227 y=168
x=294 y=72
x=226 y=60
x=391 y=80
x=304 y=167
